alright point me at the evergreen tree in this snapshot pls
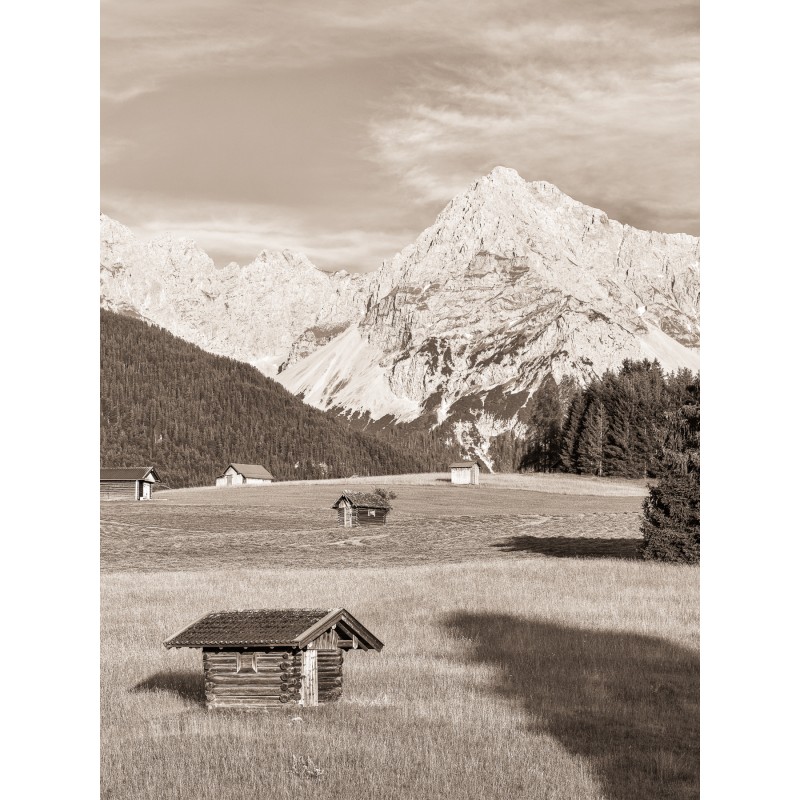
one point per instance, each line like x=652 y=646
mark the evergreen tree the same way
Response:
x=671 y=523
x=544 y=446
x=592 y=440
x=568 y=454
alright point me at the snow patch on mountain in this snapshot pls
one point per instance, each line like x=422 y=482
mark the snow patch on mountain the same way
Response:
x=347 y=372
x=513 y=282
x=672 y=355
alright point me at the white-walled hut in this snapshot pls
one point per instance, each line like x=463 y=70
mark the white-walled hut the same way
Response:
x=244 y=474
x=362 y=508
x=273 y=657
x=465 y=473
x=127 y=483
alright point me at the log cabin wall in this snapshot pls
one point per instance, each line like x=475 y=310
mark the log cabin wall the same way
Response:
x=118 y=490
x=251 y=678
x=330 y=666
x=370 y=516
x=364 y=516
x=330 y=675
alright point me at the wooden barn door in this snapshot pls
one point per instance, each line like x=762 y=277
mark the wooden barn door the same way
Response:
x=348 y=517
x=309 y=691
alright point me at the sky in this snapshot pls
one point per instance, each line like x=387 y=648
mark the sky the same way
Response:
x=341 y=128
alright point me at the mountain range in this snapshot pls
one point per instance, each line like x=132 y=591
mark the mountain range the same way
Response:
x=514 y=282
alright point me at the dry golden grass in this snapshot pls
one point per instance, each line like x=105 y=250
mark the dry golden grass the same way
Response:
x=510 y=673
x=293 y=525
x=541 y=678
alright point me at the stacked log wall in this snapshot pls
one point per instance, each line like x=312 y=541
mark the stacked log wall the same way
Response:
x=118 y=490
x=361 y=516
x=330 y=675
x=365 y=518
x=251 y=679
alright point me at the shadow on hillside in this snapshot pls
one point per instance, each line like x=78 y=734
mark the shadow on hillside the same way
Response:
x=627 y=704
x=186 y=685
x=571 y=546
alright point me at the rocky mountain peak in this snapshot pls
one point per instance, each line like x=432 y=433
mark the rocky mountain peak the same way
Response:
x=513 y=282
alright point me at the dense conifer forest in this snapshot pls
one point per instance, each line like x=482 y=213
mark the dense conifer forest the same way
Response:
x=637 y=423
x=166 y=402
x=617 y=426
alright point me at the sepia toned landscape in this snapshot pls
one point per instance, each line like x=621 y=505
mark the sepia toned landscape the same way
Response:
x=399 y=431
x=527 y=650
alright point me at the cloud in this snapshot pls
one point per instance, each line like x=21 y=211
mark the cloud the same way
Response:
x=604 y=111
x=340 y=129
x=240 y=232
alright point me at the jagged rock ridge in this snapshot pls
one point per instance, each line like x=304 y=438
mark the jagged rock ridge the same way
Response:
x=260 y=313
x=514 y=281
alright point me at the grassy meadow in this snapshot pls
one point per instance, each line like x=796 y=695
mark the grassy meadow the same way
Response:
x=527 y=653
x=293 y=525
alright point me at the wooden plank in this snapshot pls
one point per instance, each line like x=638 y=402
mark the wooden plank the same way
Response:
x=249 y=680
x=250 y=691
x=276 y=670
x=247 y=702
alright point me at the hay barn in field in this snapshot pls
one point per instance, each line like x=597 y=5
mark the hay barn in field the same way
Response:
x=465 y=473
x=270 y=658
x=128 y=483
x=244 y=474
x=362 y=508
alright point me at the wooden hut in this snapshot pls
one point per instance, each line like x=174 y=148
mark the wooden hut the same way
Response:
x=128 y=483
x=362 y=508
x=270 y=658
x=465 y=473
x=244 y=474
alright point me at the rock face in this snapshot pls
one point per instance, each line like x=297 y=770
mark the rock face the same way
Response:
x=514 y=281
x=255 y=313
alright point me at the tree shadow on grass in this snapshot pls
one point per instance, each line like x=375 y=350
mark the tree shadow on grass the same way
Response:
x=625 y=703
x=186 y=685
x=571 y=546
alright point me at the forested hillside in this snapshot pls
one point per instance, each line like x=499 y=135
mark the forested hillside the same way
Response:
x=166 y=402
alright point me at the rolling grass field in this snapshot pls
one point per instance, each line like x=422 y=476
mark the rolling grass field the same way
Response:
x=432 y=522
x=527 y=653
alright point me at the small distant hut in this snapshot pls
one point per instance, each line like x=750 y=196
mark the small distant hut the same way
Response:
x=270 y=658
x=244 y=474
x=362 y=508
x=465 y=473
x=127 y=483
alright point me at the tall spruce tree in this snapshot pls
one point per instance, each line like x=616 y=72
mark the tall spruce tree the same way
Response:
x=592 y=440
x=671 y=523
x=544 y=446
x=568 y=454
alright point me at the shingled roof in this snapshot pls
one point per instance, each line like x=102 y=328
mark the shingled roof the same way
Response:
x=287 y=627
x=127 y=473
x=250 y=471
x=363 y=500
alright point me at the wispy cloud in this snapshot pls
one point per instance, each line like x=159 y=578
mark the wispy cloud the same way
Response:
x=604 y=110
x=340 y=129
x=236 y=232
